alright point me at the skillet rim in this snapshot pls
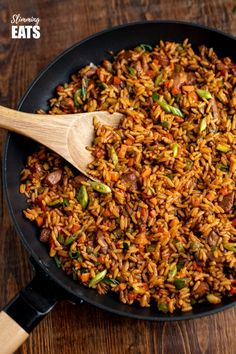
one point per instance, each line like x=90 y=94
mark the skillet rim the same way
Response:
x=50 y=273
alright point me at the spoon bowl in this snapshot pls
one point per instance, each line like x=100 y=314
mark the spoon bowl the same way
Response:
x=69 y=135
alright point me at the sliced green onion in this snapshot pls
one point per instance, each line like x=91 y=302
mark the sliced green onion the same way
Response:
x=61 y=239
x=169 y=109
x=224 y=168
x=83 y=92
x=82 y=197
x=230 y=247
x=73 y=255
x=114 y=156
x=77 y=94
x=165 y=124
x=175 y=149
x=71 y=239
x=158 y=80
x=101 y=85
x=189 y=164
x=180 y=264
x=146 y=47
x=66 y=202
x=151 y=247
x=180 y=283
x=100 y=187
x=223 y=148
x=203 y=125
x=132 y=71
x=162 y=307
x=204 y=94
x=98 y=277
x=110 y=281
x=179 y=246
x=55 y=203
x=125 y=247
x=172 y=273
x=57 y=261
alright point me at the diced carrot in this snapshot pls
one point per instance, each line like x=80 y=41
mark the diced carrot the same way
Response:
x=81 y=239
x=168 y=83
x=153 y=212
x=188 y=88
x=101 y=259
x=179 y=119
x=141 y=239
x=116 y=80
x=234 y=222
x=174 y=222
x=210 y=196
x=85 y=277
x=39 y=220
x=107 y=212
x=224 y=190
x=156 y=61
x=114 y=176
x=151 y=73
x=193 y=96
x=154 y=202
x=132 y=295
x=175 y=91
x=75 y=228
x=122 y=151
x=196 y=202
x=233 y=290
x=129 y=141
x=146 y=172
x=122 y=286
x=130 y=161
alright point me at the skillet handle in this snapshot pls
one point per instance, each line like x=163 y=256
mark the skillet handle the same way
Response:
x=11 y=334
x=25 y=311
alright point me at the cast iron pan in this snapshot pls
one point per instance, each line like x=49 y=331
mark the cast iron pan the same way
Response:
x=33 y=302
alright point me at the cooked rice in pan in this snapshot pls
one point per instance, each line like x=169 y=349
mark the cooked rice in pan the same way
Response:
x=161 y=226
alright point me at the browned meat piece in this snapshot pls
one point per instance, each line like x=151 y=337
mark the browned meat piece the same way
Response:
x=91 y=71
x=215 y=110
x=227 y=202
x=67 y=104
x=138 y=68
x=102 y=242
x=45 y=235
x=77 y=181
x=201 y=290
x=53 y=178
x=213 y=238
x=182 y=77
x=129 y=180
x=163 y=59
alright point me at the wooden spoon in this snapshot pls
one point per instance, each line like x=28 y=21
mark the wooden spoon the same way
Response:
x=66 y=134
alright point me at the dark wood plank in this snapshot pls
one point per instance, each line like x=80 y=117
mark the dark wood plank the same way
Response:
x=83 y=328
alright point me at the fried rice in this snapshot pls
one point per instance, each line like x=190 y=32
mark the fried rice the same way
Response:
x=160 y=227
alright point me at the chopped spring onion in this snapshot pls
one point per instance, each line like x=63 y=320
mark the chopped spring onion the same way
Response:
x=110 y=281
x=71 y=239
x=169 y=109
x=180 y=264
x=101 y=85
x=57 y=261
x=73 y=255
x=146 y=47
x=82 y=197
x=189 y=164
x=66 y=202
x=172 y=273
x=125 y=247
x=162 y=307
x=203 y=125
x=100 y=187
x=77 y=94
x=180 y=283
x=132 y=71
x=175 y=149
x=179 y=246
x=98 y=277
x=55 y=203
x=83 y=92
x=114 y=156
x=158 y=80
x=204 y=94
x=230 y=247
x=61 y=239
x=223 y=147
x=165 y=124
x=224 y=168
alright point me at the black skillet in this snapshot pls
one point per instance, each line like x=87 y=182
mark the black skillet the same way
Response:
x=50 y=283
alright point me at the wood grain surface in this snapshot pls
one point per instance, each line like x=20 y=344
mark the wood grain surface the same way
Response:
x=70 y=329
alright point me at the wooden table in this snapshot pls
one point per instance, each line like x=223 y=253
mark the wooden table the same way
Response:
x=84 y=329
